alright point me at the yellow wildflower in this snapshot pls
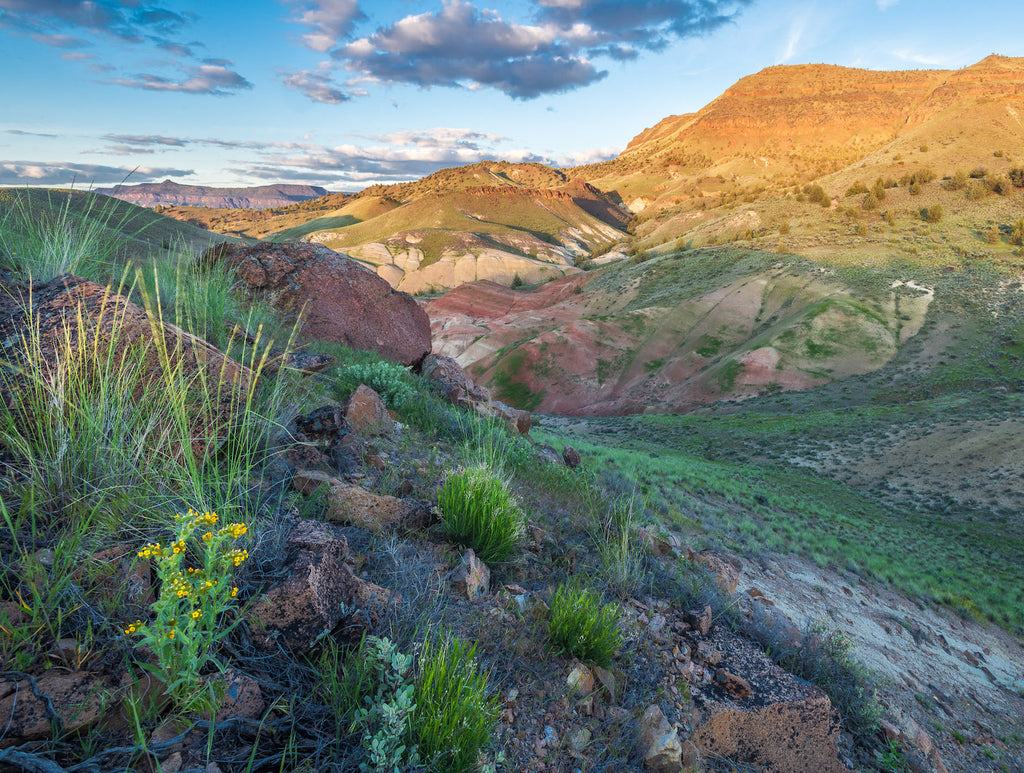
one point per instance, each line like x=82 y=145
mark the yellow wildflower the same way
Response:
x=234 y=592
x=196 y=614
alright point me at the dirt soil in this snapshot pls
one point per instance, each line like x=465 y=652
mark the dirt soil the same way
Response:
x=945 y=673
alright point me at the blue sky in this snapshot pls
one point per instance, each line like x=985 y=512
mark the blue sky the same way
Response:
x=346 y=93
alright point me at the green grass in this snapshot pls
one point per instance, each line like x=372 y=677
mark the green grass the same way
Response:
x=753 y=506
x=582 y=626
x=479 y=512
x=455 y=709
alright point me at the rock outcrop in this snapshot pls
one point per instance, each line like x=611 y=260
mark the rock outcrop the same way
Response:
x=749 y=709
x=339 y=300
x=319 y=594
x=458 y=388
x=169 y=193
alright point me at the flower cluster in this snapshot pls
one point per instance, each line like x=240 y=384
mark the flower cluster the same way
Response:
x=188 y=615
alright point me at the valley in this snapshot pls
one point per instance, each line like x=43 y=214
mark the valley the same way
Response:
x=785 y=330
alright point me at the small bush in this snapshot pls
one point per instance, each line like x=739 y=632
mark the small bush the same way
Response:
x=999 y=185
x=391 y=381
x=582 y=627
x=784 y=227
x=856 y=189
x=816 y=195
x=455 y=712
x=1017 y=233
x=958 y=181
x=915 y=188
x=479 y=512
x=870 y=202
x=978 y=172
x=1017 y=177
x=878 y=189
x=932 y=214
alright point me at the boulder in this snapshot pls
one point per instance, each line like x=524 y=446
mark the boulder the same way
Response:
x=31 y=708
x=355 y=505
x=337 y=298
x=73 y=318
x=723 y=567
x=471 y=577
x=319 y=594
x=659 y=743
x=756 y=713
x=458 y=388
x=366 y=414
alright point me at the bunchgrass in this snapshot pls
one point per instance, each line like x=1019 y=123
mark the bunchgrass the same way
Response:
x=582 y=626
x=455 y=710
x=479 y=512
x=42 y=241
x=621 y=559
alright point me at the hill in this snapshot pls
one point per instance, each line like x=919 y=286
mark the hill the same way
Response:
x=509 y=223
x=172 y=194
x=113 y=228
x=791 y=124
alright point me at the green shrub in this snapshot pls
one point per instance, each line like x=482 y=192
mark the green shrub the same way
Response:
x=479 y=512
x=856 y=189
x=581 y=626
x=870 y=201
x=391 y=381
x=455 y=711
x=1017 y=234
x=932 y=214
x=1017 y=177
x=386 y=720
x=878 y=189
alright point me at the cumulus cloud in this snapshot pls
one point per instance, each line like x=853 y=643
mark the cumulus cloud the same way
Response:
x=217 y=80
x=649 y=23
x=127 y=20
x=49 y=173
x=328 y=21
x=464 y=46
x=76 y=24
x=317 y=85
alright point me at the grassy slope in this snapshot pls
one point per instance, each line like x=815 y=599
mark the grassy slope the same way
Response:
x=139 y=233
x=768 y=473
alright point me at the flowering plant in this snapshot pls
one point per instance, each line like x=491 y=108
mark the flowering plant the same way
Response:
x=185 y=624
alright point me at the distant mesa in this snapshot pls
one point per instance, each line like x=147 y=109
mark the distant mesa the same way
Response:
x=172 y=194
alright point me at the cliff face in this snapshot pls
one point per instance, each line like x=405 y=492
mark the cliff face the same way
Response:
x=171 y=194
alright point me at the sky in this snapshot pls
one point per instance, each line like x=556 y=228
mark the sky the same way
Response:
x=348 y=93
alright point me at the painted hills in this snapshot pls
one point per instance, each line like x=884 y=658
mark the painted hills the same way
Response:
x=169 y=193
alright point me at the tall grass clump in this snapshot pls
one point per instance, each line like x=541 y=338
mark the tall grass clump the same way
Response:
x=479 y=512
x=46 y=240
x=455 y=710
x=621 y=560
x=582 y=626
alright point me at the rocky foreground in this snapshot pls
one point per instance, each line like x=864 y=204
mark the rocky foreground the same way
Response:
x=345 y=543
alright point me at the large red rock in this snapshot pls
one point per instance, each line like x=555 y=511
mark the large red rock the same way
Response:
x=339 y=299
x=754 y=712
x=79 y=324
